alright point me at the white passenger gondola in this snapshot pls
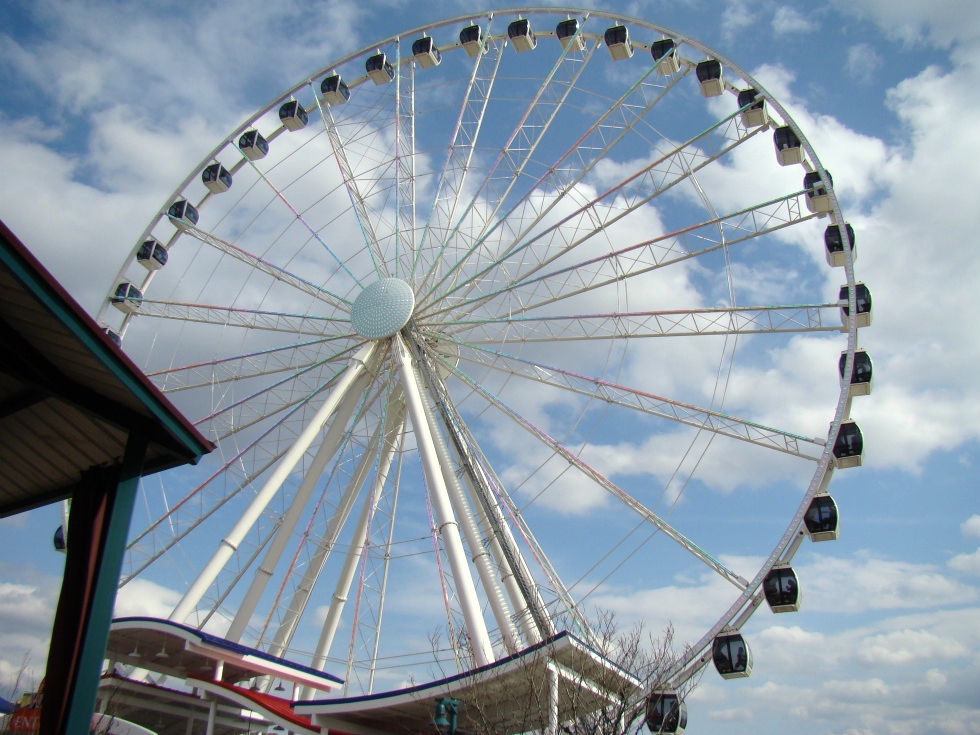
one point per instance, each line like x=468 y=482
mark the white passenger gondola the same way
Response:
x=151 y=255
x=424 y=51
x=834 y=245
x=113 y=336
x=664 y=54
x=521 y=36
x=782 y=589
x=666 y=713
x=862 y=295
x=127 y=298
x=379 y=68
x=471 y=39
x=817 y=196
x=216 y=178
x=753 y=106
x=334 y=90
x=618 y=42
x=821 y=520
x=862 y=376
x=293 y=116
x=710 y=78
x=732 y=657
x=848 y=446
x=567 y=32
x=183 y=214
x=253 y=145
x=788 y=148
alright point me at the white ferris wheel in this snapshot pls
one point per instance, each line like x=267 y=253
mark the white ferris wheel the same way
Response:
x=485 y=320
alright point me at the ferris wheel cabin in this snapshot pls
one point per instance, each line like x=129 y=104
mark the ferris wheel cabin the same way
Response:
x=151 y=255
x=253 y=145
x=664 y=54
x=566 y=32
x=521 y=36
x=379 y=68
x=113 y=336
x=817 y=197
x=848 y=446
x=862 y=377
x=127 y=298
x=334 y=90
x=217 y=178
x=821 y=520
x=666 y=713
x=618 y=42
x=424 y=52
x=834 y=244
x=862 y=298
x=788 y=147
x=710 y=78
x=293 y=116
x=471 y=39
x=732 y=657
x=782 y=589
x=754 y=112
x=183 y=214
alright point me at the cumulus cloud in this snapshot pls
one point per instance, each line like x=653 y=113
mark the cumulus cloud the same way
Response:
x=862 y=62
x=790 y=20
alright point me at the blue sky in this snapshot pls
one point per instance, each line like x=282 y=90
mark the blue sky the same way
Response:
x=107 y=106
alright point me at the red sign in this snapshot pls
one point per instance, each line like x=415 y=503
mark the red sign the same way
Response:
x=26 y=721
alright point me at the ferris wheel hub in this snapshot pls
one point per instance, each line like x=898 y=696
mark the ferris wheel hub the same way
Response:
x=383 y=308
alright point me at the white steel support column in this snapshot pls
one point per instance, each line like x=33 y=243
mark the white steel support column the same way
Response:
x=328 y=447
x=478 y=552
x=552 y=700
x=393 y=427
x=229 y=544
x=448 y=529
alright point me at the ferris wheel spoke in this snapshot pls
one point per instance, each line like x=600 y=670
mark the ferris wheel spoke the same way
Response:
x=635 y=260
x=459 y=157
x=610 y=487
x=236 y=474
x=683 y=413
x=404 y=160
x=608 y=208
x=226 y=316
x=630 y=325
x=353 y=191
x=576 y=163
x=335 y=436
x=507 y=169
x=261 y=363
x=271 y=400
x=263 y=266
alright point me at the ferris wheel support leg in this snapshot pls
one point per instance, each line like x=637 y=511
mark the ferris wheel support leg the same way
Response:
x=358 y=365
x=478 y=552
x=328 y=447
x=392 y=432
x=507 y=576
x=448 y=528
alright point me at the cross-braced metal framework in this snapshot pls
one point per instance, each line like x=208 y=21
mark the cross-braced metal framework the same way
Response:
x=420 y=324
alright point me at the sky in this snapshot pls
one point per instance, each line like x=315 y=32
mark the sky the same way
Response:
x=106 y=106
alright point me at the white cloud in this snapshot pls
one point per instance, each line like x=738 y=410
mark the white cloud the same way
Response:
x=143 y=598
x=867 y=582
x=900 y=648
x=971 y=526
x=969 y=563
x=941 y=23
x=790 y=20
x=862 y=62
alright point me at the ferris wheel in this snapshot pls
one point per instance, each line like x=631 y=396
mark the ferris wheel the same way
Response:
x=493 y=323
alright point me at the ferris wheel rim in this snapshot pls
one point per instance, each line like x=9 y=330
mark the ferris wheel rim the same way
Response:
x=823 y=468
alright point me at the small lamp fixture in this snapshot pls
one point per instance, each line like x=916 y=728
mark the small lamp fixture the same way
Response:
x=444 y=717
x=280 y=687
x=162 y=655
x=135 y=653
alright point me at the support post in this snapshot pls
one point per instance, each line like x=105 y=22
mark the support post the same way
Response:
x=100 y=518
